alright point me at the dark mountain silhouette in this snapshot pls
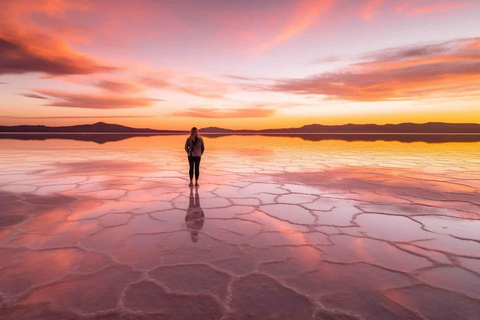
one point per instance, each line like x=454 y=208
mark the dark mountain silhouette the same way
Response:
x=404 y=128
x=400 y=137
x=407 y=128
x=99 y=127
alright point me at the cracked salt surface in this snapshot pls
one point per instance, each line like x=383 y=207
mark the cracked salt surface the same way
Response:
x=290 y=229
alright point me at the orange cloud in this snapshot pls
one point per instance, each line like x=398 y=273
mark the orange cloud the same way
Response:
x=304 y=16
x=44 y=54
x=226 y=113
x=370 y=9
x=27 y=46
x=399 y=74
x=184 y=82
x=76 y=100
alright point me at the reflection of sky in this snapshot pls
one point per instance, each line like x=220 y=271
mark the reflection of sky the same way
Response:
x=310 y=213
x=238 y=64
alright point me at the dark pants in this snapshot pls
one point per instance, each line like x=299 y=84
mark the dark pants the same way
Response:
x=194 y=161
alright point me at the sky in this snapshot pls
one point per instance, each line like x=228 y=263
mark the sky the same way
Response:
x=253 y=64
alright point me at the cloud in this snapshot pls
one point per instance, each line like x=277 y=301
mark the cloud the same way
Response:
x=184 y=82
x=26 y=45
x=370 y=9
x=241 y=78
x=77 y=117
x=89 y=101
x=226 y=113
x=44 y=55
x=456 y=50
x=419 y=7
x=34 y=96
x=330 y=59
x=305 y=15
x=118 y=87
x=399 y=74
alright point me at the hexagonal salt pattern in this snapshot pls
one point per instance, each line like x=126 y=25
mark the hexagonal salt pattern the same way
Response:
x=280 y=228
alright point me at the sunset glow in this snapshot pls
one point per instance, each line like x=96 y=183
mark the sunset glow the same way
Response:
x=238 y=64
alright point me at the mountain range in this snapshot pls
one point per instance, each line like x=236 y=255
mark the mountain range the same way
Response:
x=402 y=128
x=99 y=127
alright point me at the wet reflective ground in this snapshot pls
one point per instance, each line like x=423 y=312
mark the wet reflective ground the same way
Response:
x=280 y=228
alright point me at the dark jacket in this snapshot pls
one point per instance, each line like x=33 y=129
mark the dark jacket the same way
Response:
x=194 y=149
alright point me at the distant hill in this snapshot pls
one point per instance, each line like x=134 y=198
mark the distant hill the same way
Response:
x=402 y=128
x=430 y=127
x=99 y=127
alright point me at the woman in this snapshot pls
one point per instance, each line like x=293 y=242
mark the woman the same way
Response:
x=194 y=147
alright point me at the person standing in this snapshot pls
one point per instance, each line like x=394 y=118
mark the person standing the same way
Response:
x=194 y=147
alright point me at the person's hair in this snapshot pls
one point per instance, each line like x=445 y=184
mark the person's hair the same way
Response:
x=194 y=133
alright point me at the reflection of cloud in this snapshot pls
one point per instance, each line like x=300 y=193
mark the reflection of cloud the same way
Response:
x=251 y=152
x=369 y=9
x=303 y=17
x=100 y=167
x=75 y=100
x=226 y=113
x=401 y=73
x=389 y=186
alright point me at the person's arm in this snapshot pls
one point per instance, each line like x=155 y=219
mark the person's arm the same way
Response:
x=203 y=146
x=186 y=145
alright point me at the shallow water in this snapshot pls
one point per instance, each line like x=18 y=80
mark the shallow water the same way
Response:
x=290 y=229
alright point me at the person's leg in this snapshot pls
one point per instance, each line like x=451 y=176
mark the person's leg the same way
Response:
x=190 y=171
x=191 y=203
x=197 y=169
x=197 y=199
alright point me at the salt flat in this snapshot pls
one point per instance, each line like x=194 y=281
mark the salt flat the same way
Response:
x=292 y=229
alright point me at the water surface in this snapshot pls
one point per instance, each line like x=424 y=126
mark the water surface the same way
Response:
x=280 y=228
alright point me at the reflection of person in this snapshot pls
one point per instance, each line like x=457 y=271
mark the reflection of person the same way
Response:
x=194 y=147
x=195 y=217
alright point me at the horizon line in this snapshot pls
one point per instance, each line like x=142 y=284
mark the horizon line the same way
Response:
x=209 y=127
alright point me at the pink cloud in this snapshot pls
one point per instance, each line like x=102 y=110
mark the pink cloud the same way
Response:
x=399 y=74
x=90 y=101
x=225 y=113
x=185 y=82
x=117 y=86
x=418 y=7
x=305 y=15
x=370 y=9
